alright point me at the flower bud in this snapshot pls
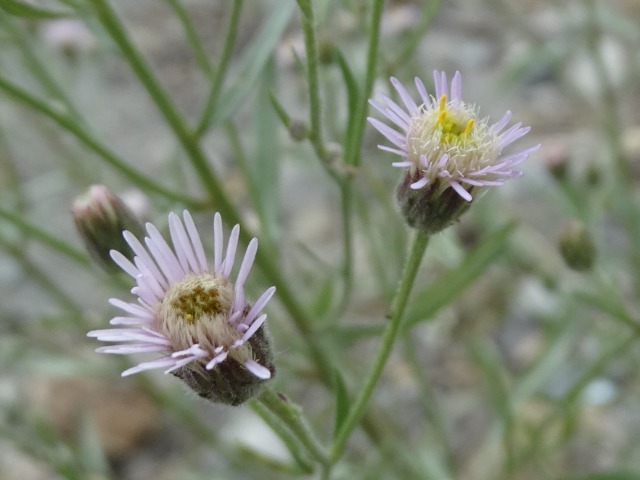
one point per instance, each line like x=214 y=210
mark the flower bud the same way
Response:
x=593 y=175
x=298 y=130
x=576 y=246
x=557 y=161
x=70 y=36
x=101 y=217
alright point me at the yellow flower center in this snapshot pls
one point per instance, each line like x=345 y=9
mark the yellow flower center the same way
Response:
x=196 y=310
x=453 y=131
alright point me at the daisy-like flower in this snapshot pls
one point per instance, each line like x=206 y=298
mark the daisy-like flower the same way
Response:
x=449 y=154
x=194 y=316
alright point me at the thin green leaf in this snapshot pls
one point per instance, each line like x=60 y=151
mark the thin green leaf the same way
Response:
x=91 y=454
x=608 y=301
x=343 y=336
x=342 y=400
x=352 y=91
x=282 y=113
x=21 y=9
x=323 y=300
x=444 y=290
x=266 y=171
x=606 y=476
x=285 y=435
x=254 y=62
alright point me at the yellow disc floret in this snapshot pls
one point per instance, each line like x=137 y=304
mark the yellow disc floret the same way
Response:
x=451 y=129
x=196 y=310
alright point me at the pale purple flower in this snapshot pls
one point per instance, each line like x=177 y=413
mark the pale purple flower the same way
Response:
x=188 y=312
x=443 y=143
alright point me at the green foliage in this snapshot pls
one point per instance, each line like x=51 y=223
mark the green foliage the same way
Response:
x=489 y=360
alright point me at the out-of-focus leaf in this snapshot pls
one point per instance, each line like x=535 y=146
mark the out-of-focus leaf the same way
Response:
x=254 y=61
x=22 y=9
x=343 y=336
x=444 y=290
x=342 y=400
x=266 y=159
x=324 y=297
x=608 y=301
x=352 y=92
x=606 y=476
x=91 y=455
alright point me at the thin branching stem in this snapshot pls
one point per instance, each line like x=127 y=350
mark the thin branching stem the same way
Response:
x=313 y=81
x=398 y=306
x=192 y=37
x=354 y=142
x=112 y=23
x=65 y=121
x=291 y=416
x=221 y=71
x=45 y=238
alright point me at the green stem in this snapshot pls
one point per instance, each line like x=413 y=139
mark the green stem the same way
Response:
x=192 y=37
x=17 y=93
x=48 y=285
x=291 y=416
x=300 y=317
x=163 y=102
x=346 y=204
x=388 y=338
x=218 y=79
x=289 y=439
x=416 y=35
x=429 y=405
x=315 y=112
x=352 y=151
x=44 y=237
x=610 y=119
x=39 y=71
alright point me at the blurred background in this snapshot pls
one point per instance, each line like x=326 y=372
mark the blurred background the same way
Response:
x=516 y=366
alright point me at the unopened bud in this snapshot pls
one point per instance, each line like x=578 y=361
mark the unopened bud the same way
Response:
x=593 y=175
x=100 y=218
x=326 y=51
x=557 y=161
x=70 y=36
x=577 y=247
x=298 y=130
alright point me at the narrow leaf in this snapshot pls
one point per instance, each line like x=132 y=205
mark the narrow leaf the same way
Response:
x=444 y=290
x=342 y=401
x=254 y=61
x=21 y=9
x=606 y=476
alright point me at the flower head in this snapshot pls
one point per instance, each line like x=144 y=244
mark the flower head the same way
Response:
x=449 y=154
x=195 y=316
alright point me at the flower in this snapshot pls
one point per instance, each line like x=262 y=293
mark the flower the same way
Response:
x=197 y=318
x=445 y=148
